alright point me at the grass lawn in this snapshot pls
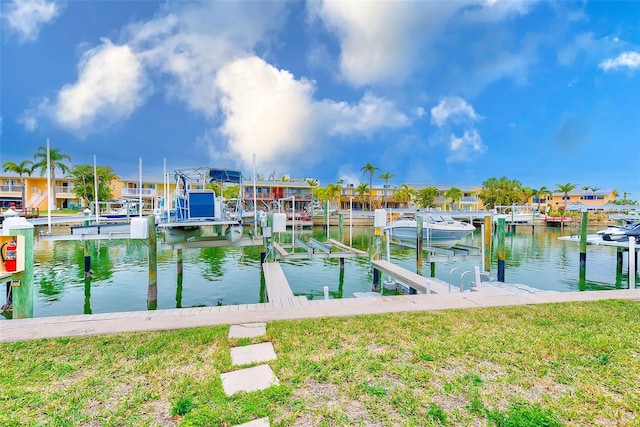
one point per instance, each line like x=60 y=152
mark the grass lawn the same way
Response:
x=540 y=365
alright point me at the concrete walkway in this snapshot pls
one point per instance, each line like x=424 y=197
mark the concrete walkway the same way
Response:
x=94 y=324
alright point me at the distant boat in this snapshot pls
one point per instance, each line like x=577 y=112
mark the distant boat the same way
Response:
x=517 y=214
x=440 y=231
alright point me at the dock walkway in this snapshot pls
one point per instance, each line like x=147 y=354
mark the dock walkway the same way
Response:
x=279 y=292
x=425 y=285
x=182 y=318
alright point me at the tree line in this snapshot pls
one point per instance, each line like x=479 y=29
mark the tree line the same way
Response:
x=494 y=191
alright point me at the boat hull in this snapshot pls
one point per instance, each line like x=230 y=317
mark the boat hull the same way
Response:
x=444 y=235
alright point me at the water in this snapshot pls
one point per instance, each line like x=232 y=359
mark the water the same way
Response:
x=228 y=276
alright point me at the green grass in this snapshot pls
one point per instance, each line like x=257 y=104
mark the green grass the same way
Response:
x=543 y=365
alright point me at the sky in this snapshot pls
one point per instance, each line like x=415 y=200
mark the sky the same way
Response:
x=432 y=92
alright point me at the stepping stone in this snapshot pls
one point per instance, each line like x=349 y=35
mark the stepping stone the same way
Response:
x=250 y=379
x=253 y=353
x=262 y=422
x=247 y=330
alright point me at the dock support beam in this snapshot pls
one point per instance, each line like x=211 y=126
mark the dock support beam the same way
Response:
x=180 y=276
x=152 y=291
x=22 y=296
x=632 y=262
x=501 y=252
x=583 y=248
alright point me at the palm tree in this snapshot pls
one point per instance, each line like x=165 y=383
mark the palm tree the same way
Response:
x=543 y=190
x=19 y=168
x=55 y=161
x=333 y=192
x=361 y=190
x=455 y=194
x=371 y=170
x=404 y=194
x=565 y=188
x=387 y=177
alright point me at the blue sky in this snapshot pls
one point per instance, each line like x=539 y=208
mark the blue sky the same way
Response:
x=434 y=92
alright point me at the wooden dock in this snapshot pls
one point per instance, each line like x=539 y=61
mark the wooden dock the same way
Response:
x=278 y=290
x=424 y=285
x=316 y=249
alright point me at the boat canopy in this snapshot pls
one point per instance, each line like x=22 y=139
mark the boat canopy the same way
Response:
x=225 y=175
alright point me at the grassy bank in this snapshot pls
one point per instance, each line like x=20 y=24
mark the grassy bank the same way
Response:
x=545 y=365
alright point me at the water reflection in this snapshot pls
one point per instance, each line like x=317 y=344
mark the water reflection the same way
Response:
x=214 y=276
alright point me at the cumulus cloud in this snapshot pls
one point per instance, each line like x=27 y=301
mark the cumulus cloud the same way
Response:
x=462 y=149
x=630 y=60
x=110 y=86
x=453 y=109
x=384 y=42
x=455 y=112
x=268 y=112
x=25 y=18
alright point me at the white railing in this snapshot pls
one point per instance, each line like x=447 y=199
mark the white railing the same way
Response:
x=64 y=189
x=148 y=192
x=11 y=188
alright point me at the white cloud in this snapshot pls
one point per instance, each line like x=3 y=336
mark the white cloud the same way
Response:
x=385 y=42
x=453 y=109
x=464 y=148
x=629 y=60
x=194 y=40
x=110 y=86
x=270 y=113
x=26 y=17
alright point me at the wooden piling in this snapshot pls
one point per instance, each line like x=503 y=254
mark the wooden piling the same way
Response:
x=340 y=225
x=152 y=291
x=501 y=250
x=87 y=295
x=22 y=295
x=87 y=258
x=487 y=243
x=583 y=247
x=179 y=261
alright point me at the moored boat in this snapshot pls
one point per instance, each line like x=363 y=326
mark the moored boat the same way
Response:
x=439 y=231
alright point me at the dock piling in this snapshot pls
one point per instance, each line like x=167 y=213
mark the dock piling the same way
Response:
x=487 y=243
x=420 y=232
x=583 y=246
x=152 y=291
x=501 y=250
x=632 y=262
x=22 y=295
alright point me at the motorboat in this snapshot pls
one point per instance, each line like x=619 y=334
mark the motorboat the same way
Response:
x=517 y=214
x=439 y=231
x=615 y=233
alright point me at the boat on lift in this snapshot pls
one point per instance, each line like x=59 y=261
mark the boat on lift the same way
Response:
x=439 y=231
x=201 y=213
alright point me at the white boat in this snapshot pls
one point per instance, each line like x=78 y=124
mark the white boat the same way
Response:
x=440 y=231
x=517 y=214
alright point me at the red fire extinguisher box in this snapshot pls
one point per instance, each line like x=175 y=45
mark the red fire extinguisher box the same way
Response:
x=20 y=250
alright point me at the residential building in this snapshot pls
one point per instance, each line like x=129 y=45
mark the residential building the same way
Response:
x=271 y=194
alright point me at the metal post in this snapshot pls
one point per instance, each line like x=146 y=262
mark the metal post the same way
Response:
x=350 y=222
x=632 y=262
x=326 y=217
x=419 y=244
x=501 y=250
x=22 y=294
x=340 y=221
x=152 y=292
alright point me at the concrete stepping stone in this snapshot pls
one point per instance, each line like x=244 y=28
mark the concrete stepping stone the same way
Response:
x=250 y=379
x=262 y=422
x=247 y=330
x=254 y=353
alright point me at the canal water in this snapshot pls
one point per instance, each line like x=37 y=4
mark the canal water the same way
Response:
x=229 y=276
